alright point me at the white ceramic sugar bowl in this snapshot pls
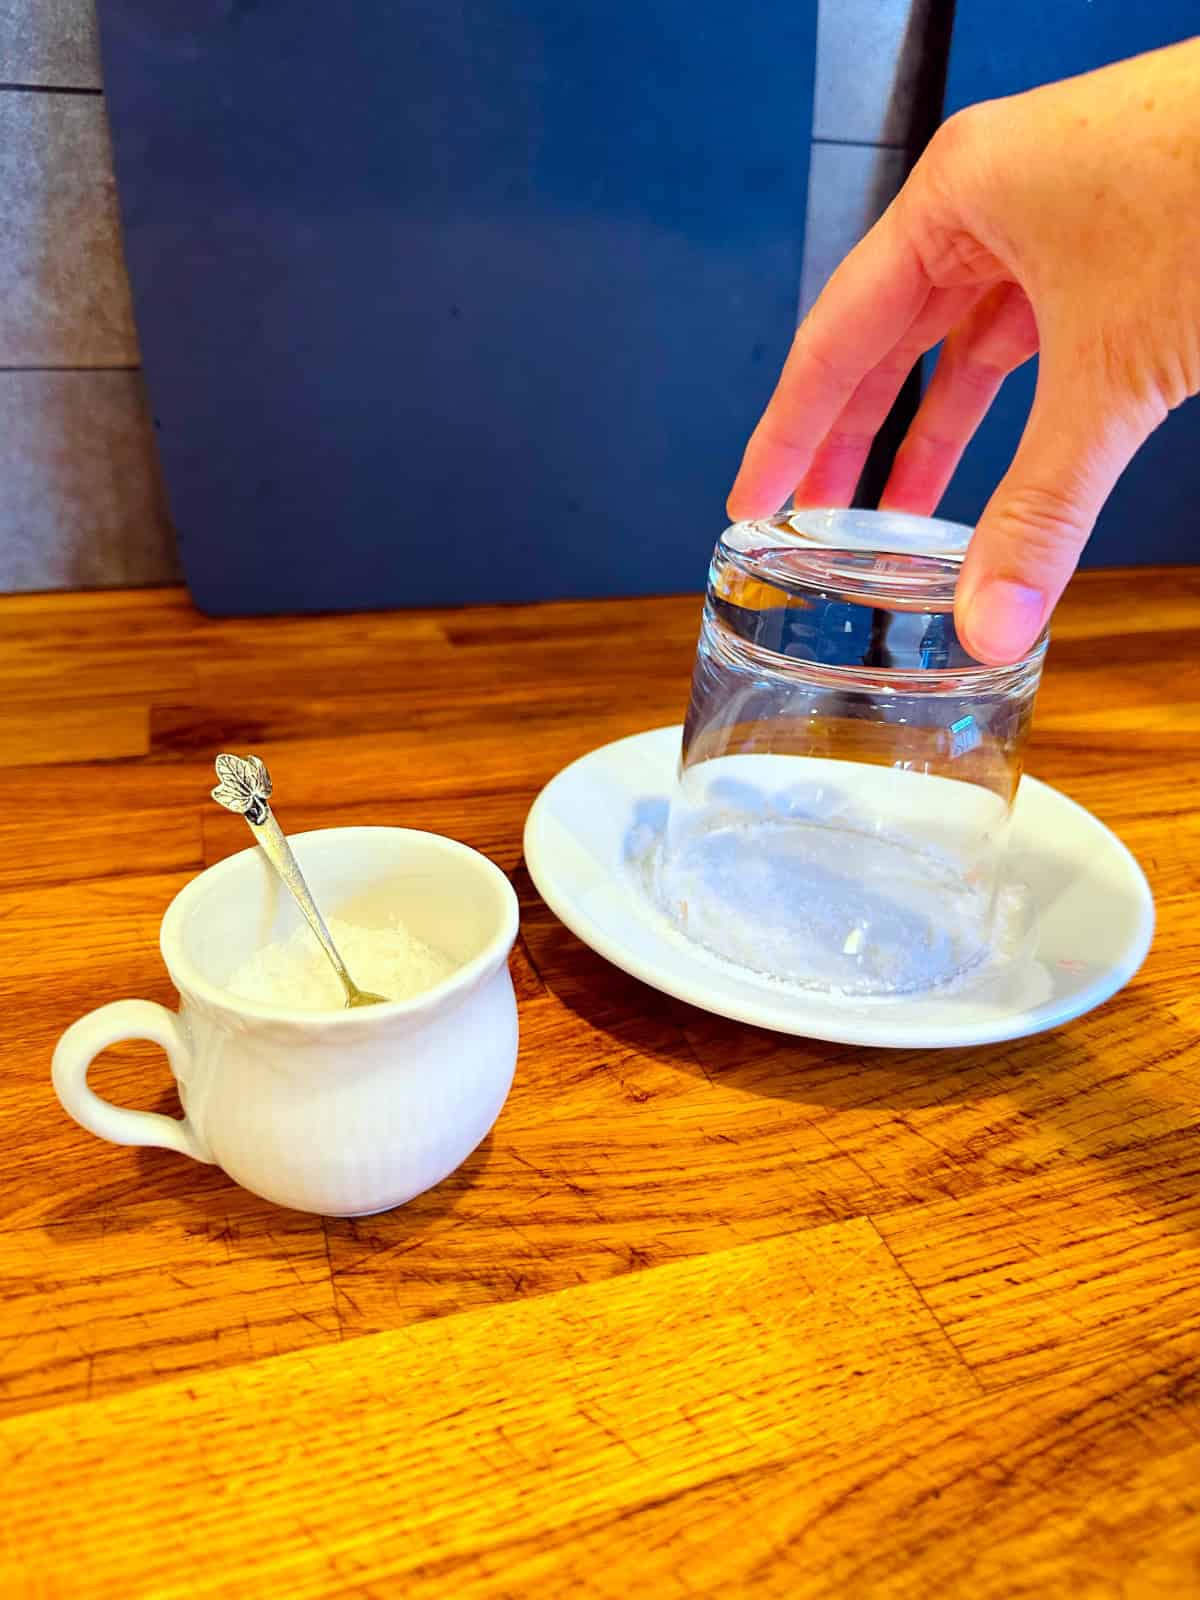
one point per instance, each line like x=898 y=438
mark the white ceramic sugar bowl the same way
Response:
x=341 y=1113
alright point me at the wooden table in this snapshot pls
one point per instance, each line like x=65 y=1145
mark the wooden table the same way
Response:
x=712 y=1312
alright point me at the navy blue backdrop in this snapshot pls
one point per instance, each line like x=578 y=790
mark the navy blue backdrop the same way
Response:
x=1003 y=46
x=456 y=300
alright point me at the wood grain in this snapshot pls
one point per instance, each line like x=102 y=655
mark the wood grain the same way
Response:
x=711 y=1311
x=592 y=1399
x=81 y=847
x=93 y=731
x=1084 y=1487
x=1101 y=1259
x=180 y=1292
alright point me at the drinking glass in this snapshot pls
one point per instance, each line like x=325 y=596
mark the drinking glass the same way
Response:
x=848 y=771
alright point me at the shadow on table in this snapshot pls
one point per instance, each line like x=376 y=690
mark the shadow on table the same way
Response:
x=206 y=1199
x=959 y=1118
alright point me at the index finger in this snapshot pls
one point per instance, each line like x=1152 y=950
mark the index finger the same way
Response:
x=867 y=306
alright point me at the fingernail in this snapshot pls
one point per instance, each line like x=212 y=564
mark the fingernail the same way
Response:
x=1003 y=619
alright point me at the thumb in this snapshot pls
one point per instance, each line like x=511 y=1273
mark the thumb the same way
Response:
x=1079 y=438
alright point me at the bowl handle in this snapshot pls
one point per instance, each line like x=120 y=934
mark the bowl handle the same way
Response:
x=83 y=1042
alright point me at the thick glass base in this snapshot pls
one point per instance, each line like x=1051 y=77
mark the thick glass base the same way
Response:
x=824 y=906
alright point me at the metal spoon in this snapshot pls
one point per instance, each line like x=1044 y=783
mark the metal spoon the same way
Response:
x=245 y=787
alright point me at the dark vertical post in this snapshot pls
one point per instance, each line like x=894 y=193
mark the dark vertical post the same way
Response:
x=928 y=97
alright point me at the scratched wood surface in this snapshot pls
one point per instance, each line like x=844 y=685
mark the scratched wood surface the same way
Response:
x=712 y=1312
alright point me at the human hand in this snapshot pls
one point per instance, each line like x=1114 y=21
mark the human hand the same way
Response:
x=1066 y=220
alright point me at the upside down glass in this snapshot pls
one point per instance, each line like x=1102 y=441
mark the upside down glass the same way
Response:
x=848 y=771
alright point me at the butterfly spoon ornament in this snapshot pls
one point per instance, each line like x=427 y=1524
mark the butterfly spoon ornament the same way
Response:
x=245 y=788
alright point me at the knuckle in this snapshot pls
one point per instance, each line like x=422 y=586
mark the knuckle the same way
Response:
x=1015 y=314
x=783 y=436
x=1043 y=521
x=843 y=441
x=980 y=379
x=1004 y=333
x=952 y=136
x=821 y=364
x=961 y=138
x=952 y=257
x=926 y=438
x=937 y=206
x=1144 y=378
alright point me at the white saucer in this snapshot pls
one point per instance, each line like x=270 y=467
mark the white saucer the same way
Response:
x=1093 y=906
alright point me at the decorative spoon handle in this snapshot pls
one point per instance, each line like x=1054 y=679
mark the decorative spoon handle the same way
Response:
x=245 y=787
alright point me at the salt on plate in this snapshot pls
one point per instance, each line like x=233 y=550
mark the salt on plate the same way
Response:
x=295 y=972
